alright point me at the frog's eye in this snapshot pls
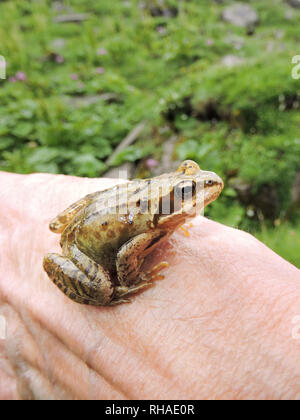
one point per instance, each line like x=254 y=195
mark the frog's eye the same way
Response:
x=185 y=190
x=209 y=182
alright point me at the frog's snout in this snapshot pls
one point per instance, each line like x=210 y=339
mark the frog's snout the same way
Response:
x=220 y=182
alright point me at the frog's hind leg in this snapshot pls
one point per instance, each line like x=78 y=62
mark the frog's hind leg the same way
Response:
x=76 y=284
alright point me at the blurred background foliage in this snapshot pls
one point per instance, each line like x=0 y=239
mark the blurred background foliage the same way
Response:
x=82 y=74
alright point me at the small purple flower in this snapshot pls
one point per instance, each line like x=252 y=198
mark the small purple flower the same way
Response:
x=100 y=70
x=210 y=42
x=102 y=51
x=151 y=163
x=74 y=76
x=80 y=85
x=12 y=79
x=161 y=30
x=59 y=58
x=21 y=76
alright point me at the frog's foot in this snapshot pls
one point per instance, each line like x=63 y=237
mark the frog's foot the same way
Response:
x=75 y=284
x=146 y=280
x=122 y=291
x=184 y=229
x=154 y=274
x=118 y=302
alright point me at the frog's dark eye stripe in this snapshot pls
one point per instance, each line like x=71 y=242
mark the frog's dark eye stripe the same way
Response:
x=209 y=182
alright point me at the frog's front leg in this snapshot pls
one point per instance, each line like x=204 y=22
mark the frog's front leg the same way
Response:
x=129 y=261
x=83 y=281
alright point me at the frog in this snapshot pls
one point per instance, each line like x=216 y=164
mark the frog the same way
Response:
x=107 y=235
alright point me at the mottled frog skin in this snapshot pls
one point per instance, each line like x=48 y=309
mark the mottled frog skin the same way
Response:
x=106 y=235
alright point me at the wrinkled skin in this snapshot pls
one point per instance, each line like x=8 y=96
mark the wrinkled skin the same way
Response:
x=219 y=325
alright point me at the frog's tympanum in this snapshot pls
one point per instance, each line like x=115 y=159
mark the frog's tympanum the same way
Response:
x=107 y=235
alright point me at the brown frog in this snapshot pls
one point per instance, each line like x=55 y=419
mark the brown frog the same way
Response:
x=107 y=235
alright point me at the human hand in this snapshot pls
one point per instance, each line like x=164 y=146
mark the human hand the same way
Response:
x=219 y=326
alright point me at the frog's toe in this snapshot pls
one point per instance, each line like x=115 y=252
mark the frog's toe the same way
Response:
x=185 y=229
x=118 y=301
x=155 y=272
x=121 y=291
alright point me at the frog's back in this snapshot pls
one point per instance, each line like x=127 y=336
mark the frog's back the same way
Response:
x=112 y=218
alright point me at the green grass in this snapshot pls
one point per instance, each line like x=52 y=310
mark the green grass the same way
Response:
x=285 y=240
x=242 y=122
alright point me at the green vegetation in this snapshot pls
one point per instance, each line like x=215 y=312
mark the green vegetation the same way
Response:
x=285 y=240
x=75 y=90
